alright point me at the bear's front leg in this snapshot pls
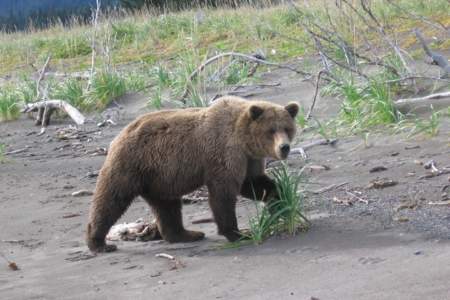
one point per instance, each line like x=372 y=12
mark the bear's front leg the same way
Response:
x=222 y=200
x=260 y=187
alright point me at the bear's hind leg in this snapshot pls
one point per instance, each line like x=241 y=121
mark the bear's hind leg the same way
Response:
x=170 y=222
x=107 y=207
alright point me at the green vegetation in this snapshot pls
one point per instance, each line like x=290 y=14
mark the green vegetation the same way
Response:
x=9 y=104
x=2 y=153
x=280 y=215
x=139 y=51
x=106 y=87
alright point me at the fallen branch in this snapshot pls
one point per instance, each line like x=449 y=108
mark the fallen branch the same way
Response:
x=240 y=56
x=46 y=108
x=329 y=188
x=17 y=151
x=165 y=255
x=421 y=99
x=316 y=92
x=441 y=203
x=437 y=58
x=301 y=150
x=436 y=24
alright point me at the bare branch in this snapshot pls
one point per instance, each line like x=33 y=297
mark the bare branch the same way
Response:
x=41 y=77
x=316 y=92
x=437 y=58
x=421 y=99
x=240 y=56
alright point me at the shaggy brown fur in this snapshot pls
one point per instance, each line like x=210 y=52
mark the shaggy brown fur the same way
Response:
x=164 y=155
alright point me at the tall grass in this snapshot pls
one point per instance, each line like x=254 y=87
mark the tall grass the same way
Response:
x=2 y=153
x=285 y=214
x=9 y=104
x=106 y=87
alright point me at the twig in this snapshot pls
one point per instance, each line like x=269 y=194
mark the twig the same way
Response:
x=165 y=255
x=416 y=77
x=379 y=28
x=301 y=150
x=441 y=203
x=238 y=55
x=437 y=25
x=317 y=143
x=17 y=151
x=41 y=77
x=342 y=65
x=358 y=198
x=316 y=92
x=420 y=99
x=329 y=188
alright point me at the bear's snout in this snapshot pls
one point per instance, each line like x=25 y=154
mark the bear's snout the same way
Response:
x=284 y=150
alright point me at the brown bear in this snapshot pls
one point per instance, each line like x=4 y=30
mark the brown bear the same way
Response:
x=164 y=155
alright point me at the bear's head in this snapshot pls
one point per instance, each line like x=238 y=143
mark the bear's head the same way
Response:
x=270 y=129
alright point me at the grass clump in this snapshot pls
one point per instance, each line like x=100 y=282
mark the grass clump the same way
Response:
x=106 y=87
x=281 y=215
x=365 y=105
x=72 y=92
x=290 y=205
x=9 y=104
x=2 y=152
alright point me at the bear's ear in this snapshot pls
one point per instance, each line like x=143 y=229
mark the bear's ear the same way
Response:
x=292 y=109
x=255 y=112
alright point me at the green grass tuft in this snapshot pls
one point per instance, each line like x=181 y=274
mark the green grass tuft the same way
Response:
x=9 y=104
x=281 y=215
x=106 y=87
x=72 y=92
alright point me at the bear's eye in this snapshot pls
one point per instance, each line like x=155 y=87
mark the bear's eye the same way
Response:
x=272 y=130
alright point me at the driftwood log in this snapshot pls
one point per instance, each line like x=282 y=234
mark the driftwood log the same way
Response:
x=437 y=58
x=45 y=109
x=435 y=100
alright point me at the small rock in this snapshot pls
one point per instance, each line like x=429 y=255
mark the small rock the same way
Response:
x=157 y=274
x=418 y=253
x=92 y=174
x=401 y=219
x=162 y=282
x=82 y=193
x=412 y=147
x=378 y=169
x=381 y=183
x=395 y=153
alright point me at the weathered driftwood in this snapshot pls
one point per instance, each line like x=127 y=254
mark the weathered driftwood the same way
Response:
x=423 y=103
x=437 y=58
x=46 y=108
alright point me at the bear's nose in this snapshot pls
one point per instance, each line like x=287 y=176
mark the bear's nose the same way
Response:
x=285 y=148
